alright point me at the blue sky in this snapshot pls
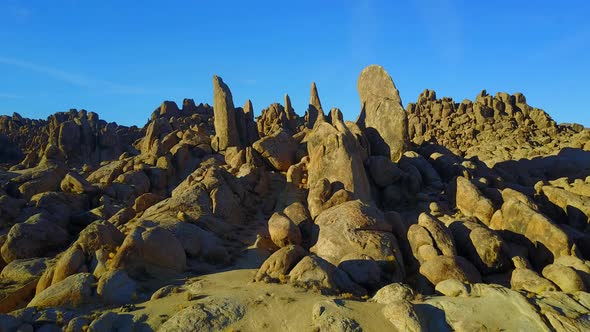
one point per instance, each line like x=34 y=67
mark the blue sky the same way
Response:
x=121 y=59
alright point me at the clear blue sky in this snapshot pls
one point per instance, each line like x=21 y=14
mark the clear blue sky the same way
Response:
x=121 y=59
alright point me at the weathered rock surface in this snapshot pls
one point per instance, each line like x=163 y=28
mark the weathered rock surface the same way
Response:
x=471 y=202
x=279 y=148
x=72 y=291
x=225 y=116
x=441 y=268
x=212 y=315
x=280 y=263
x=334 y=155
x=382 y=118
x=36 y=237
x=392 y=221
x=356 y=238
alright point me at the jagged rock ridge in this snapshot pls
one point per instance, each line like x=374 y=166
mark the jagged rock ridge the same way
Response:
x=409 y=213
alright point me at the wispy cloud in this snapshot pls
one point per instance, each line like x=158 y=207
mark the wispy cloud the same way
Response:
x=12 y=9
x=572 y=42
x=364 y=30
x=104 y=86
x=443 y=23
x=9 y=96
x=249 y=81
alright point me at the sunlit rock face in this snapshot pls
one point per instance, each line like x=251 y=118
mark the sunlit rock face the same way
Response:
x=207 y=216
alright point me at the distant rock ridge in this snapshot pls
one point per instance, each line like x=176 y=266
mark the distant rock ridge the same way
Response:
x=79 y=135
x=493 y=128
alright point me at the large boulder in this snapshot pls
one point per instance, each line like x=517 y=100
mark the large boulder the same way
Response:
x=403 y=316
x=283 y=231
x=115 y=287
x=18 y=280
x=37 y=237
x=442 y=268
x=481 y=245
x=279 y=264
x=530 y=281
x=154 y=247
x=442 y=236
x=565 y=277
x=247 y=130
x=383 y=117
x=313 y=272
x=77 y=184
x=213 y=314
x=421 y=243
x=70 y=292
x=357 y=238
x=471 y=202
x=548 y=241
x=487 y=308
x=383 y=171
x=393 y=293
x=278 y=148
x=40 y=180
x=575 y=207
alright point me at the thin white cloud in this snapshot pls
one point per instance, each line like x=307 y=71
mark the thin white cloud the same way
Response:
x=249 y=81
x=102 y=86
x=572 y=41
x=443 y=24
x=8 y=96
x=14 y=10
x=364 y=30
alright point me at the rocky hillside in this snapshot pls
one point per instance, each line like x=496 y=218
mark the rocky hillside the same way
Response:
x=492 y=128
x=208 y=219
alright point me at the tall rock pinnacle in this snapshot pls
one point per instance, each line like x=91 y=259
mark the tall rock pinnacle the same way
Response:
x=226 y=131
x=314 y=110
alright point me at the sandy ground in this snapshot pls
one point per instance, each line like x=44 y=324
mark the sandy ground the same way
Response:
x=269 y=307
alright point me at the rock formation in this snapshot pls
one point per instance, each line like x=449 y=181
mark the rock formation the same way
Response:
x=404 y=219
x=382 y=115
x=226 y=130
x=314 y=110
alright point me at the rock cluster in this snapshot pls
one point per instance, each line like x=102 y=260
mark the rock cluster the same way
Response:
x=482 y=207
x=492 y=128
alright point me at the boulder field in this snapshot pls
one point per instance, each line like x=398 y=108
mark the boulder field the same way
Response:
x=438 y=217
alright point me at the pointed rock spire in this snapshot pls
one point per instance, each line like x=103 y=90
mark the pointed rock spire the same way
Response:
x=291 y=122
x=226 y=131
x=314 y=110
x=246 y=126
x=289 y=109
x=249 y=110
x=314 y=98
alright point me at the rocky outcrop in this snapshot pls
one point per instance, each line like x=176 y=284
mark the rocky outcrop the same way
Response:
x=247 y=130
x=314 y=113
x=493 y=128
x=80 y=136
x=547 y=240
x=382 y=117
x=279 y=148
x=71 y=292
x=276 y=118
x=471 y=202
x=355 y=237
x=334 y=155
x=364 y=229
x=226 y=130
